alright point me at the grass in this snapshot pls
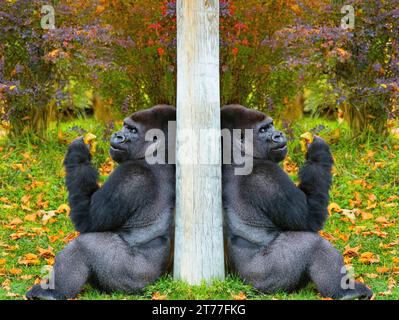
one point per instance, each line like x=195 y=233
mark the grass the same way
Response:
x=32 y=189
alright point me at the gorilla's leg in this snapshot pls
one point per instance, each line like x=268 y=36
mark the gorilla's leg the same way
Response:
x=292 y=260
x=107 y=262
x=70 y=273
x=279 y=266
x=330 y=276
x=116 y=266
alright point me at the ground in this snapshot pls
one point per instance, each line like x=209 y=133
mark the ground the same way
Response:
x=34 y=225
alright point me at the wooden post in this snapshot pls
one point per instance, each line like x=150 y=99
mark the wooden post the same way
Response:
x=199 y=229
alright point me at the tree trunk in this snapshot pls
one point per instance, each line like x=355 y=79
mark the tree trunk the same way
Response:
x=199 y=228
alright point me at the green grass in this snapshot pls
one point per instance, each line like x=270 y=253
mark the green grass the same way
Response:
x=34 y=168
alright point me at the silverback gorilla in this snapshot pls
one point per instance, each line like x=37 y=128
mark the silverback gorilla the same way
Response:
x=126 y=225
x=271 y=224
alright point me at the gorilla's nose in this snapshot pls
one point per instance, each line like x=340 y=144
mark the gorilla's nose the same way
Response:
x=119 y=138
x=278 y=137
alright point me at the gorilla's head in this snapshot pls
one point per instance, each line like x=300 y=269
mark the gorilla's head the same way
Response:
x=268 y=143
x=129 y=143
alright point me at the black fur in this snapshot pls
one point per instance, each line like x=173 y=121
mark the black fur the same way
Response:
x=126 y=225
x=271 y=224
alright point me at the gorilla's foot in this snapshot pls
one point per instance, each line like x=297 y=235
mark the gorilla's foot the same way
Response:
x=38 y=293
x=360 y=292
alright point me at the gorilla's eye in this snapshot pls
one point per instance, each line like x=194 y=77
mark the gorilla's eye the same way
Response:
x=132 y=129
x=265 y=128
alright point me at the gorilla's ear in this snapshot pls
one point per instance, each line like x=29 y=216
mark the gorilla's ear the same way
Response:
x=235 y=116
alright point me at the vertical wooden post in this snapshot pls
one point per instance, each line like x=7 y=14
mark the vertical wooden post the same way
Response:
x=199 y=229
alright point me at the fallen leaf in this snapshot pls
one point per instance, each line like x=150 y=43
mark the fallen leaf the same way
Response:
x=6 y=284
x=15 y=271
x=381 y=220
x=15 y=221
x=40 y=203
x=11 y=294
x=382 y=269
x=158 y=296
x=368 y=258
x=350 y=214
x=366 y=215
x=351 y=252
x=46 y=253
x=48 y=215
x=25 y=199
x=70 y=237
x=333 y=207
x=30 y=217
x=64 y=208
x=29 y=259
x=327 y=236
x=240 y=296
x=391 y=283
x=18 y=166
x=372 y=197
x=53 y=238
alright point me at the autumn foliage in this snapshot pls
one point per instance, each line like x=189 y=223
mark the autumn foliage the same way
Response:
x=274 y=55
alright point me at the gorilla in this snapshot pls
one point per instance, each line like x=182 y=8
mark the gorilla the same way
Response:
x=127 y=224
x=271 y=225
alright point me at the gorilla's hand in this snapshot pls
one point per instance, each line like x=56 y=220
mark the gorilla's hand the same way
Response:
x=319 y=151
x=78 y=153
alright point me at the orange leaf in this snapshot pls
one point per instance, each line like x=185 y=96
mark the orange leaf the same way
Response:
x=53 y=238
x=240 y=296
x=366 y=215
x=16 y=221
x=327 y=236
x=351 y=252
x=334 y=207
x=18 y=166
x=368 y=258
x=64 y=208
x=46 y=253
x=382 y=269
x=100 y=9
x=372 y=197
x=30 y=217
x=15 y=271
x=29 y=259
x=25 y=199
x=158 y=296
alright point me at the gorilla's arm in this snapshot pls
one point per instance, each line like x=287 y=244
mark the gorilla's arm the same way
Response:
x=95 y=209
x=81 y=182
x=315 y=179
x=302 y=208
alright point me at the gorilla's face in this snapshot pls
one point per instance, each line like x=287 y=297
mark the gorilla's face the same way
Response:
x=127 y=143
x=130 y=143
x=269 y=143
